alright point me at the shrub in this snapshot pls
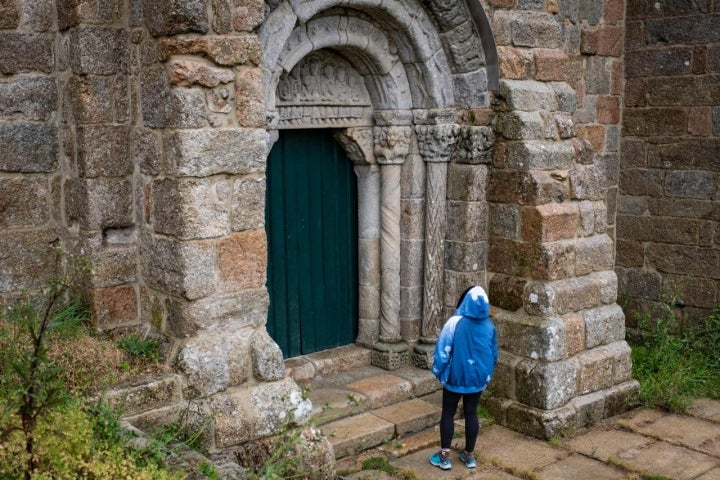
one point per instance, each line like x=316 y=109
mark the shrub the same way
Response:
x=71 y=443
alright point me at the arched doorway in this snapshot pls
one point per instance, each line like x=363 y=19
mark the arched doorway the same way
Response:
x=381 y=75
x=311 y=223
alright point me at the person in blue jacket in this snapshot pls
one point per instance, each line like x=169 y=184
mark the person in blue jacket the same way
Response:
x=465 y=356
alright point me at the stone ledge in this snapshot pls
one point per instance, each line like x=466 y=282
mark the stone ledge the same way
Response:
x=153 y=394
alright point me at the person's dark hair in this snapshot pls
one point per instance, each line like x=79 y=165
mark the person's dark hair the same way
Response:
x=462 y=297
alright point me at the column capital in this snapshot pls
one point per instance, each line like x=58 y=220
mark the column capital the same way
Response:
x=358 y=144
x=392 y=144
x=437 y=142
x=474 y=144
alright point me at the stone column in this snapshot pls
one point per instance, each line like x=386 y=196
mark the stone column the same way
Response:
x=358 y=144
x=436 y=144
x=391 y=147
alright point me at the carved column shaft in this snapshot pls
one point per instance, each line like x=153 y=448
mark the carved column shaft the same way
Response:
x=436 y=143
x=434 y=261
x=390 y=253
x=391 y=148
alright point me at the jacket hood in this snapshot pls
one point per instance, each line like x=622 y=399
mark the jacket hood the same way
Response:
x=475 y=304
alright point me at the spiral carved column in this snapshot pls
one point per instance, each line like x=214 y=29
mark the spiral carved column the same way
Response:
x=436 y=144
x=391 y=148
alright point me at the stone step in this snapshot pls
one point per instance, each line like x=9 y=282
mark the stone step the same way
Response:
x=410 y=416
x=365 y=406
x=306 y=368
x=334 y=403
x=352 y=435
x=366 y=388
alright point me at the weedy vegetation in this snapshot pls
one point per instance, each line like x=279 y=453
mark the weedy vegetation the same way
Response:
x=675 y=366
x=48 y=427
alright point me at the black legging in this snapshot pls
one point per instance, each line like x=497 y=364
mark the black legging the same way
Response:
x=450 y=402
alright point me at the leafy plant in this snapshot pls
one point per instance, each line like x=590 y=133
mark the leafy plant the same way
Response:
x=209 y=470
x=47 y=432
x=282 y=460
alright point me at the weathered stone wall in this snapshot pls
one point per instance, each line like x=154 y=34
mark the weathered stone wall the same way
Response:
x=97 y=69
x=552 y=192
x=30 y=153
x=121 y=136
x=668 y=250
x=147 y=129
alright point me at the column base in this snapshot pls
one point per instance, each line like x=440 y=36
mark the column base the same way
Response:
x=423 y=355
x=390 y=356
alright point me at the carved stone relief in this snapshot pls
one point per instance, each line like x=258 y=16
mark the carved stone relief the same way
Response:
x=322 y=90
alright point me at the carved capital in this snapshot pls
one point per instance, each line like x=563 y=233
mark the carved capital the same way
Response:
x=358 y=144
x=392 y=144
x=474 y=145
x=437 y=142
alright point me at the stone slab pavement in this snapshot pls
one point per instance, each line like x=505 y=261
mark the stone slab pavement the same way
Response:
x=638 y=445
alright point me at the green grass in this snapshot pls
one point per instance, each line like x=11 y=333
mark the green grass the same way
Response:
x=139 y=347
x=485 y=415
x=379 y=463
x=674 y=368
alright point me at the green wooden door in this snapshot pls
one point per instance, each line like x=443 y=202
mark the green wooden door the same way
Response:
x=311 y=222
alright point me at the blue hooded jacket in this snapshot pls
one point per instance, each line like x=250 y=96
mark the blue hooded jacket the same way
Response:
x=466 y=350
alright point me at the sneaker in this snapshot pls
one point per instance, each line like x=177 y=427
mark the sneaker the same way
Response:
x=440 y=460
x=468 y=459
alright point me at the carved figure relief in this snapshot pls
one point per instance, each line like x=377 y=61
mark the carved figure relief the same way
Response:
x=324 y=90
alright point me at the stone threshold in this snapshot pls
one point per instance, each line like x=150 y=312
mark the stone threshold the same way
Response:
x=306 y=368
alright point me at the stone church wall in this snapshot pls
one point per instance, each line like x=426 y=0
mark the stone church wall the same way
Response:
x=137 y=134
x=668 y=250
x=552 y=193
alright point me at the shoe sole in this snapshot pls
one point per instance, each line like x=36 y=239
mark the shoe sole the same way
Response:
x=440 y=465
